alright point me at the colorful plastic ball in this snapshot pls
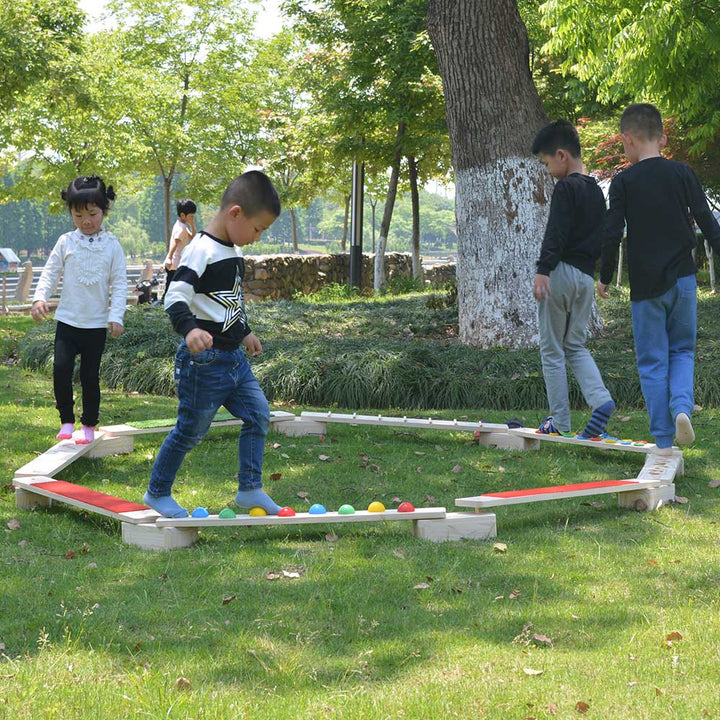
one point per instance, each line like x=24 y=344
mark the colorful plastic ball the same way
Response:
x=406 y=507
x=317 y=509
x=257 y=512
x=227 y=513
x=200 y=512
x=376 y=506
x=346 y=510
x=286 y=512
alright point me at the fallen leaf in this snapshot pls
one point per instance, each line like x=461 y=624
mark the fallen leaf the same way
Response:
x=85 y=548
x=500 y=547
x=276 y=445
x=501 y=469
x=421 y=586
x=92 y=566
x=514 y=594
x=396 y=499
x=323 y=457
x=419 y=468
x=680 y=500
x=673 y=636
x=275 y=476
x=285 y=455
x=530 y=671
x=652 y=562
x=542 y=640
x=430 y=499
x=714 y=483
x=272 y=576
x=182 y=683
x=552 y=708
x=398 y=554
x=697 y=408
x=625 y=418
x=70 y=555
x=331 y=537
x=582 y=707
x=290 y=574
x=227 y=600
x=417 y=452
x=22 y=543
x=457 y=469
x=13 y=524
x=303 y=495
x=659 y=691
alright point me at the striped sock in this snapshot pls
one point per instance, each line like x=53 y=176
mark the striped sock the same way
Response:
x=598 y=420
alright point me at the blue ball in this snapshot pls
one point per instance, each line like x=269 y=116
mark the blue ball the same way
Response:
x=200 y=512
x=317 y=509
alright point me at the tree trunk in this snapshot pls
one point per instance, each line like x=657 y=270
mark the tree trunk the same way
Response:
x=346 y=219
x=380 y=283
x=167 y=182
x=502 y=193
x=293 y=223
x=415 y=236
x=373 y=205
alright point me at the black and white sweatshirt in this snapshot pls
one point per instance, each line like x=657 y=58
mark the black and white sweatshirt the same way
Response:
x=206 y=292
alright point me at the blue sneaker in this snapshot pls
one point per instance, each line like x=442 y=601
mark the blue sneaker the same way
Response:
x=547 y=427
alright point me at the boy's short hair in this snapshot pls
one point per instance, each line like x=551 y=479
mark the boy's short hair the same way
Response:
x=642 y=120
x=88 y=189
x=558 y=135
x=254 y=192
x=185 y=206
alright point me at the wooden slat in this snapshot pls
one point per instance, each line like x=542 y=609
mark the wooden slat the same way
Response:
x=408 y=422
x=57 y=458
x=304 y=518
x=87 y=499
x=620 y=445
x=555 y=492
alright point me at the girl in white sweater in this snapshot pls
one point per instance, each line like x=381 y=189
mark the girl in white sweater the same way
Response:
x=92 y=300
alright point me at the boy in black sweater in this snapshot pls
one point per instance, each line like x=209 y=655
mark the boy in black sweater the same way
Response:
x=564 y=283
x=657 y=199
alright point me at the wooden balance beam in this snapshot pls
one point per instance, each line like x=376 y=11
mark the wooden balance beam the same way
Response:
x=532 y=439
x=42 y=491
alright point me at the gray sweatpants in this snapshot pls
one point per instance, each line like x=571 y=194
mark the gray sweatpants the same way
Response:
x=563 y=317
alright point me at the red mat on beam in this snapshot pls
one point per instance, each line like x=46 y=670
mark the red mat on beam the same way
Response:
x=561 y=488
x=91 y=497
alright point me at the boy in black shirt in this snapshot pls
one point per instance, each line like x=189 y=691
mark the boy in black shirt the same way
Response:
x=206 y=306
x=564 y=284
x=657 y=199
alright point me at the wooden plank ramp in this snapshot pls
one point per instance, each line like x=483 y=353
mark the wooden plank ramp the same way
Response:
x=622 y=445
x=57 y=458
x=406 y=422
x=27 y=490
x=556 y=492
x=304 y=518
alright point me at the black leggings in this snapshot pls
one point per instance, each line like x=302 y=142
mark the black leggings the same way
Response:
x=89 y=344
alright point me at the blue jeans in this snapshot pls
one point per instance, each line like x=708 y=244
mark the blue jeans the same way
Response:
x=665 y=328
x=204 y=382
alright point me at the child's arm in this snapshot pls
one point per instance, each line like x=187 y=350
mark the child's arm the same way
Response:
x=555 y=240
x=613 y=230
x=118 y=282
x=701 y=212
x=167 y=264
x=48 y=280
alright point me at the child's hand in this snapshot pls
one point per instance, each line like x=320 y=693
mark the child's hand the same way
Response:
x=252 y=344
x=39 y=310
x=198 y=340
x=116 y=329
x=602 y=289
x=541 y=288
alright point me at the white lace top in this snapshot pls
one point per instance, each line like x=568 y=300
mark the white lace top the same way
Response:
x=94 y=291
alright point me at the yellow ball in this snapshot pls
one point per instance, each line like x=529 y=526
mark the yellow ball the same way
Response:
x=376 y=507
x=257 y=512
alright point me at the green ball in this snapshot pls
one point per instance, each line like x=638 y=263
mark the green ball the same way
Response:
x=346 y=510
x=227 y=513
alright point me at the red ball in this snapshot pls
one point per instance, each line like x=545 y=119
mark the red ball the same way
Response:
x=286 y=512
x=406 y=507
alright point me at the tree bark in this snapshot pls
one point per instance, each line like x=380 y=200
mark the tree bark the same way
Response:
x=415 y=235
x=379 y=282
x=502 y=193
x=293 y=224
x=346 y=223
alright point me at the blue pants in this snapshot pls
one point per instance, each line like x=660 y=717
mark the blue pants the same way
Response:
x=665 y=328
x=205 y=381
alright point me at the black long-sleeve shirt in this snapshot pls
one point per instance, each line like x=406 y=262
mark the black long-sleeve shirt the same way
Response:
x=658 y=199
x=573 y=230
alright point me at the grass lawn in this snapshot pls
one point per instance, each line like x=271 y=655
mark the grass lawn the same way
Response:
x=588 y=610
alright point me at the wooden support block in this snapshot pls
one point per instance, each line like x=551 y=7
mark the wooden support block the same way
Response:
x=618 y=446
x=26 y=500
x=663 y=468
x=57 y=458
x=303 y=518
x=300 y=426
x=648 y=499
x=110 y=445
x=554 y=492
x=86 y=499
x=151 y=537
x=505 y=441
x=458 y=526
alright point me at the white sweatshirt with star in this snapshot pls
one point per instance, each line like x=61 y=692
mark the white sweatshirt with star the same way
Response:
x=207 y=292
x=94 y=272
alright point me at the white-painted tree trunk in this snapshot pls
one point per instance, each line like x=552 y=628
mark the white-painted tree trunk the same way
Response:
x=501 y=209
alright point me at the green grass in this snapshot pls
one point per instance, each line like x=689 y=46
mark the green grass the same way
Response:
x=92 y=629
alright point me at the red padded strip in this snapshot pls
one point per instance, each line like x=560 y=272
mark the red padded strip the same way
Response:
x=561 y=488
x=91 y=497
